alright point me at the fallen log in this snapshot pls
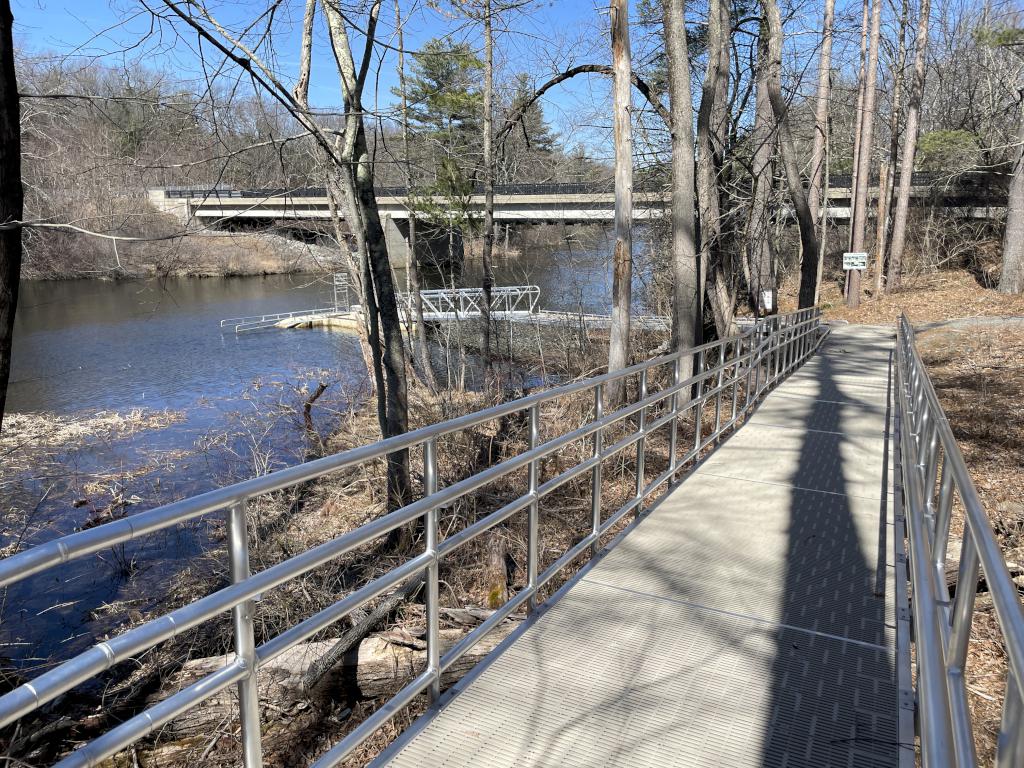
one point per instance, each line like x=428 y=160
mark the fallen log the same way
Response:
x=378 y=668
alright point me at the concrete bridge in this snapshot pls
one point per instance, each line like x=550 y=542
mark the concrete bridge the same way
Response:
x=534 y=203
x=754 y=595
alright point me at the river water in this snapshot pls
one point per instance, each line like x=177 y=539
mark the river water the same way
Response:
x=87 y=347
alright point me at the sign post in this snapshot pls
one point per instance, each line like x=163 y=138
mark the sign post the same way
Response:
x=853 y=262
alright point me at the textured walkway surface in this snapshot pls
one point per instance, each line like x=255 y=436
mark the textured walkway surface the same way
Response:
x=748 y=620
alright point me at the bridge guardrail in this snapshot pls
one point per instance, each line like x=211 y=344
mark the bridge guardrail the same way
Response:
x=933 y=475
x=966 y=180
x=746 y=366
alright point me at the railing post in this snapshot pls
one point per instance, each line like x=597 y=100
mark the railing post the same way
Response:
x=432 y=598
x=245 y=642
x=757 y=361
x=642 y=442
x=595 y=477
x=738 y=357
x=943 y=516
x=698 y=408
x=719 y=381
x=751 y=363
x=533 y=513
x=673 y=439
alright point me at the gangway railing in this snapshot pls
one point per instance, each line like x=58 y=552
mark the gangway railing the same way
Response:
x=934 y=476
x=730 y=375
x=257 y=322
x=454 y=303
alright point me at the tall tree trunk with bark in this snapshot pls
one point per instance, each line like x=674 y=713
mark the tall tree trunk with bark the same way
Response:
x=420 y=348
x=886 y=178
x=865 y=148
x=11 y=197
x=759 y=250
x=711 y=118
x=1012 y=278
x=687 y=301
x=821 y=117
x=622 y=260
x=859 y=114
x=488 y=171
x=356 y=178
x=899 y=219
x=808 y=236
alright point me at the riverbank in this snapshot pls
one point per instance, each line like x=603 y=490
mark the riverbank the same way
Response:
x=198 y=254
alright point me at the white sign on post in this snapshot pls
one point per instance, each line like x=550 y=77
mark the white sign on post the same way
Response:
x=855 y=261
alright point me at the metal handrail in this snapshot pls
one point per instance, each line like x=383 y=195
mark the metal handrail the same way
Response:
x=274 y=317
x=933 y=473
x=749 y=363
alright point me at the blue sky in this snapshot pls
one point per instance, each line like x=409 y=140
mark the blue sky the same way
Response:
x=554 y=34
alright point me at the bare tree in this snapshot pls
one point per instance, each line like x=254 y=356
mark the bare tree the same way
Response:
x=858 y=121
x=899 y=222
x=686 y=296
x=11 y=197
x=350 y=170
x=821 y=106
x=886 y=178
x=711 y=124
x=622 y=259
x=808 y=237
x=759 y=248
x=1012 y=278
x=862 y=171
x=420 y=349
x=488 y=173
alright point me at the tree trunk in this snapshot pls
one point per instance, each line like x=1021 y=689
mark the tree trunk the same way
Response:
x=1012 y=278
x=11 y=197
x=380 y=304
x=859 y=115
x=420 y=348
x=862 y=172
x=808 y=236
x=686 y=297
x=821 y=117
x=488 y=169
x=709 y=138
x=622 y=260
x=886 y=177
x=899 y=219
x=763 y=291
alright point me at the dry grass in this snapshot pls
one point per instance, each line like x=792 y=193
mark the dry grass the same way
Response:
x=342 y=501
x=926 y=298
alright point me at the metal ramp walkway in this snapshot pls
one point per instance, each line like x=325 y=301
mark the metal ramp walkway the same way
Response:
x=749 y=619
x=756 y=613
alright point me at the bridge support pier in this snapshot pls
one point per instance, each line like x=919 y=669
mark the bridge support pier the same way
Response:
x=437 y=247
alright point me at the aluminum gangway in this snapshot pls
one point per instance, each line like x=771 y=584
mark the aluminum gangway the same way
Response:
x=748 y=602
x=508 y=302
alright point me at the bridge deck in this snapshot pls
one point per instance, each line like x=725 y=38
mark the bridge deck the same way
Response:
x=749 y=619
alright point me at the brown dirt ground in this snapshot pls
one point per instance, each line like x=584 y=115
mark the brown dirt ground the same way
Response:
x=925 y=299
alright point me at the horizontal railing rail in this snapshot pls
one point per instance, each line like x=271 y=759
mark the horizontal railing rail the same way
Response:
x=243 y=323
x=968 y=180
x=730 y=375
x=934 y=476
